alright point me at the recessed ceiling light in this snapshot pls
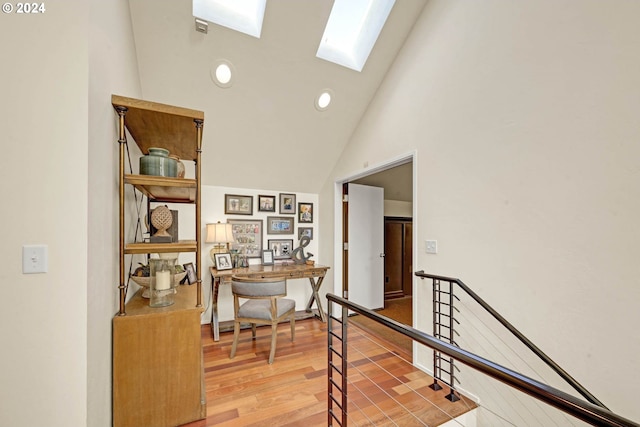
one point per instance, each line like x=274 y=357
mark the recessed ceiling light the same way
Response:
x=324 y=99
x=222 y=73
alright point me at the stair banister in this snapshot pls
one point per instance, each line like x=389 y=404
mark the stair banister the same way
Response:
x=553 y=365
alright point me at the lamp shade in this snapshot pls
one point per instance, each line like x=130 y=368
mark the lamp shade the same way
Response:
x=219 y=233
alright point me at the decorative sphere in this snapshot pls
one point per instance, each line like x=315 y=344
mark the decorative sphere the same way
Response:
x=161 y=219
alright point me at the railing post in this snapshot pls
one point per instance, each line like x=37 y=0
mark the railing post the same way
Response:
x=436 y=333
x=451 y=396
x=331 y=368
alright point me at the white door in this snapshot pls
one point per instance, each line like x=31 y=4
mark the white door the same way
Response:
x=366 y=246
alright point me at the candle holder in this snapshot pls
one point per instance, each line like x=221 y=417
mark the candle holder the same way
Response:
x=162 y=285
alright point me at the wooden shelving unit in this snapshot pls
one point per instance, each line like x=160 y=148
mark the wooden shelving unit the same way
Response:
x=157 y=352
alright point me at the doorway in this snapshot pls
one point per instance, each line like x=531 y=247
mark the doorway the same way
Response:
x=398 y=250
x=397 y=177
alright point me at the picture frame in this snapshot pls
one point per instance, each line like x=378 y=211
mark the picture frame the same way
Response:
x=235 y=204
x=223 y=261
x=247 y=234
x=266 y=203
x=279 y=225
x=282 y=248
x=267 y=257
x=305 y=212
x=191 y=273
x=287 y=203
x=305 y=231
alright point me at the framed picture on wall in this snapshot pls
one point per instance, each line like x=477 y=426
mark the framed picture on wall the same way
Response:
x=266 y=203
x=305 y=231
x=279 y=225
x=238 y=205
x=305 y=212
x=287 y=203
x=282 y=248
x=247 y=234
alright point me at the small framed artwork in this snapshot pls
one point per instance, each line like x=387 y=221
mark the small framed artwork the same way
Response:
x=238 y=205
x=267 y=257
x=279 y=225
x=287 y=203
x=282 y=248
x=191 y=273
x=305 y=212
x=266 y=203
x=247 y=236
x=223 y=261
x=305 y=231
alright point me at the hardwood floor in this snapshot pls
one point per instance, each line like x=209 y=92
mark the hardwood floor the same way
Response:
x=247 y=391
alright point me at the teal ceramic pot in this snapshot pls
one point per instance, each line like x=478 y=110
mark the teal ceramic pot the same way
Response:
x=158 y=163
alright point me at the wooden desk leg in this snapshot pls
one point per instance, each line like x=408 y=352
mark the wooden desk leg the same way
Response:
x=215 y=324
x=315 y=286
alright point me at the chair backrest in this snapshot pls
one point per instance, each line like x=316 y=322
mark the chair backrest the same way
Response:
x=250 y=287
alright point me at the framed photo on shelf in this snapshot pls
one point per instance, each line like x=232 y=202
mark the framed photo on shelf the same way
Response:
x=305 y=212
x=287 y=203
x=305 y=231
x=267 y=257
x=282 y=248
x=191 y=273
x=279 y=225
x=266 y=203
x=223 y=261
x=238 y=205
x=247 y=234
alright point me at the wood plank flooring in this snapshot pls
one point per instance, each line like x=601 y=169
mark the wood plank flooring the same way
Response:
x=247 y=391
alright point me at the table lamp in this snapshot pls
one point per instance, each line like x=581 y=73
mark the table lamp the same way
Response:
x=220 y=235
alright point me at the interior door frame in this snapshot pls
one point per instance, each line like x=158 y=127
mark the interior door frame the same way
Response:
x=339 y=223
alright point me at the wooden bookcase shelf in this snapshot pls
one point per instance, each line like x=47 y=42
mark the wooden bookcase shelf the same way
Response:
x=157 y=352
x=168 y=190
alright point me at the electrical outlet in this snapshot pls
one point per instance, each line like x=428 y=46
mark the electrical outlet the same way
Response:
x=431 y=246
x=34 y=259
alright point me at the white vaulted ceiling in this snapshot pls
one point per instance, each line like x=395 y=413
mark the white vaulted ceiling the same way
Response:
x=263 y=131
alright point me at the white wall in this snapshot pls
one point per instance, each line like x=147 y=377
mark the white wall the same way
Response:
x=43 y=183
x=112 y=70
x=524 y=118
x=398 y=208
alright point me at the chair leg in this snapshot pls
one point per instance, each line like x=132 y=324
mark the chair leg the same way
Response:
x=292 y=321
x=236 y=336
x=253 y=331
x=274 y=335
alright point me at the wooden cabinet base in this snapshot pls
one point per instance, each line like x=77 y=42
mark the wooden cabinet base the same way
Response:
x=157 y=363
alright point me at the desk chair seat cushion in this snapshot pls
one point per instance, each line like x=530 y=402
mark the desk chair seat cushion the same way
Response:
x=261 y=309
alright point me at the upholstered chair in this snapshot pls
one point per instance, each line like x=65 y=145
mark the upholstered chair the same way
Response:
x=265 y=305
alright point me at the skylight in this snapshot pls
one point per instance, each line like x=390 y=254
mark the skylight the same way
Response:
x=240 y=15
x=352 y=31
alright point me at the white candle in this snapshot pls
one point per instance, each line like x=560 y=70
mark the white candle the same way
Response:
x=163 y=280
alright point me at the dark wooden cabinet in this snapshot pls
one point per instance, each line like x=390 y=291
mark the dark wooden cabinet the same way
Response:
x=398 y=257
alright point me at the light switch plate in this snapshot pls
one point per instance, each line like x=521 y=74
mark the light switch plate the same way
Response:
x=431 y=246
x=34 y=259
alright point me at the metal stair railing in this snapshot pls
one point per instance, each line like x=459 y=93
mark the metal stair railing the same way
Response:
x=444 y=322
x=586 y=411
x=539 y=353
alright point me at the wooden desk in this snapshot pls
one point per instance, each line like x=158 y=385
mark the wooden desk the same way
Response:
x=315 y=274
